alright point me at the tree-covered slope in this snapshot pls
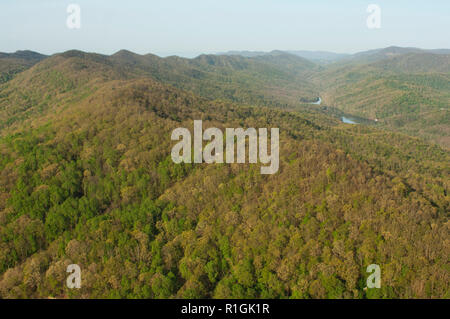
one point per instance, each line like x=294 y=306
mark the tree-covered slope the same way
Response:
x=87 y=178
x=13 y=63
x=409 y=93
x=276 y=79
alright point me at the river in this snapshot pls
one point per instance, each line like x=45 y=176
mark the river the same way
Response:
x=317 y=102
x=347 y=120
x=343 y=118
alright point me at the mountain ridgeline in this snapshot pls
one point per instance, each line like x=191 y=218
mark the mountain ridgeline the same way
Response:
x=13 y=63
x=86 y=177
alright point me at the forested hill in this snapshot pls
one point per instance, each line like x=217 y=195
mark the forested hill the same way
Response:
x=408 y=93
x=13 y=63
x=86 y=177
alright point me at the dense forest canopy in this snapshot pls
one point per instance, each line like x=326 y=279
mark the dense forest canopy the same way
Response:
x=86 y=177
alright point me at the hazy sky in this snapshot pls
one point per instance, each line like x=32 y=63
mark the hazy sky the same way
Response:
x=189 y=27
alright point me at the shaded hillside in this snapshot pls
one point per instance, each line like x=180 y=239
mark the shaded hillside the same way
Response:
x=13 y=63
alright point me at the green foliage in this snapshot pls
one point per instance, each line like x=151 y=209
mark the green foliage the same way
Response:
x=93 y=184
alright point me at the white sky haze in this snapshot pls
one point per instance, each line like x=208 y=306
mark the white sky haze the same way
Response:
x=208 y=26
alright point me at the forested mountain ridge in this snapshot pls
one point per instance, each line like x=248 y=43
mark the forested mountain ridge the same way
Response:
x=404 y=89
x=86 y=177
x=273 y=80
x=324 y=57
x=53 y=83
x=415 y=63
x=409 y=93
x=67 y=76
x=390 y=52
x=13 y=63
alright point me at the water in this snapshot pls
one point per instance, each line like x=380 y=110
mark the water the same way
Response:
x=318 y=102
x=344 y=119
x=348 y=121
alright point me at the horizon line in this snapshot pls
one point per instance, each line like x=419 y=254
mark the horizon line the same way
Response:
x=228 y=52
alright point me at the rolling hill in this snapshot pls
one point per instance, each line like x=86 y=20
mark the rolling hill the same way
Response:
x=13 y=63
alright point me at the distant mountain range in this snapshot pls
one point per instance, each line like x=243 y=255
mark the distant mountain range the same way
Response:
x=325 y=57
x=319 y=57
